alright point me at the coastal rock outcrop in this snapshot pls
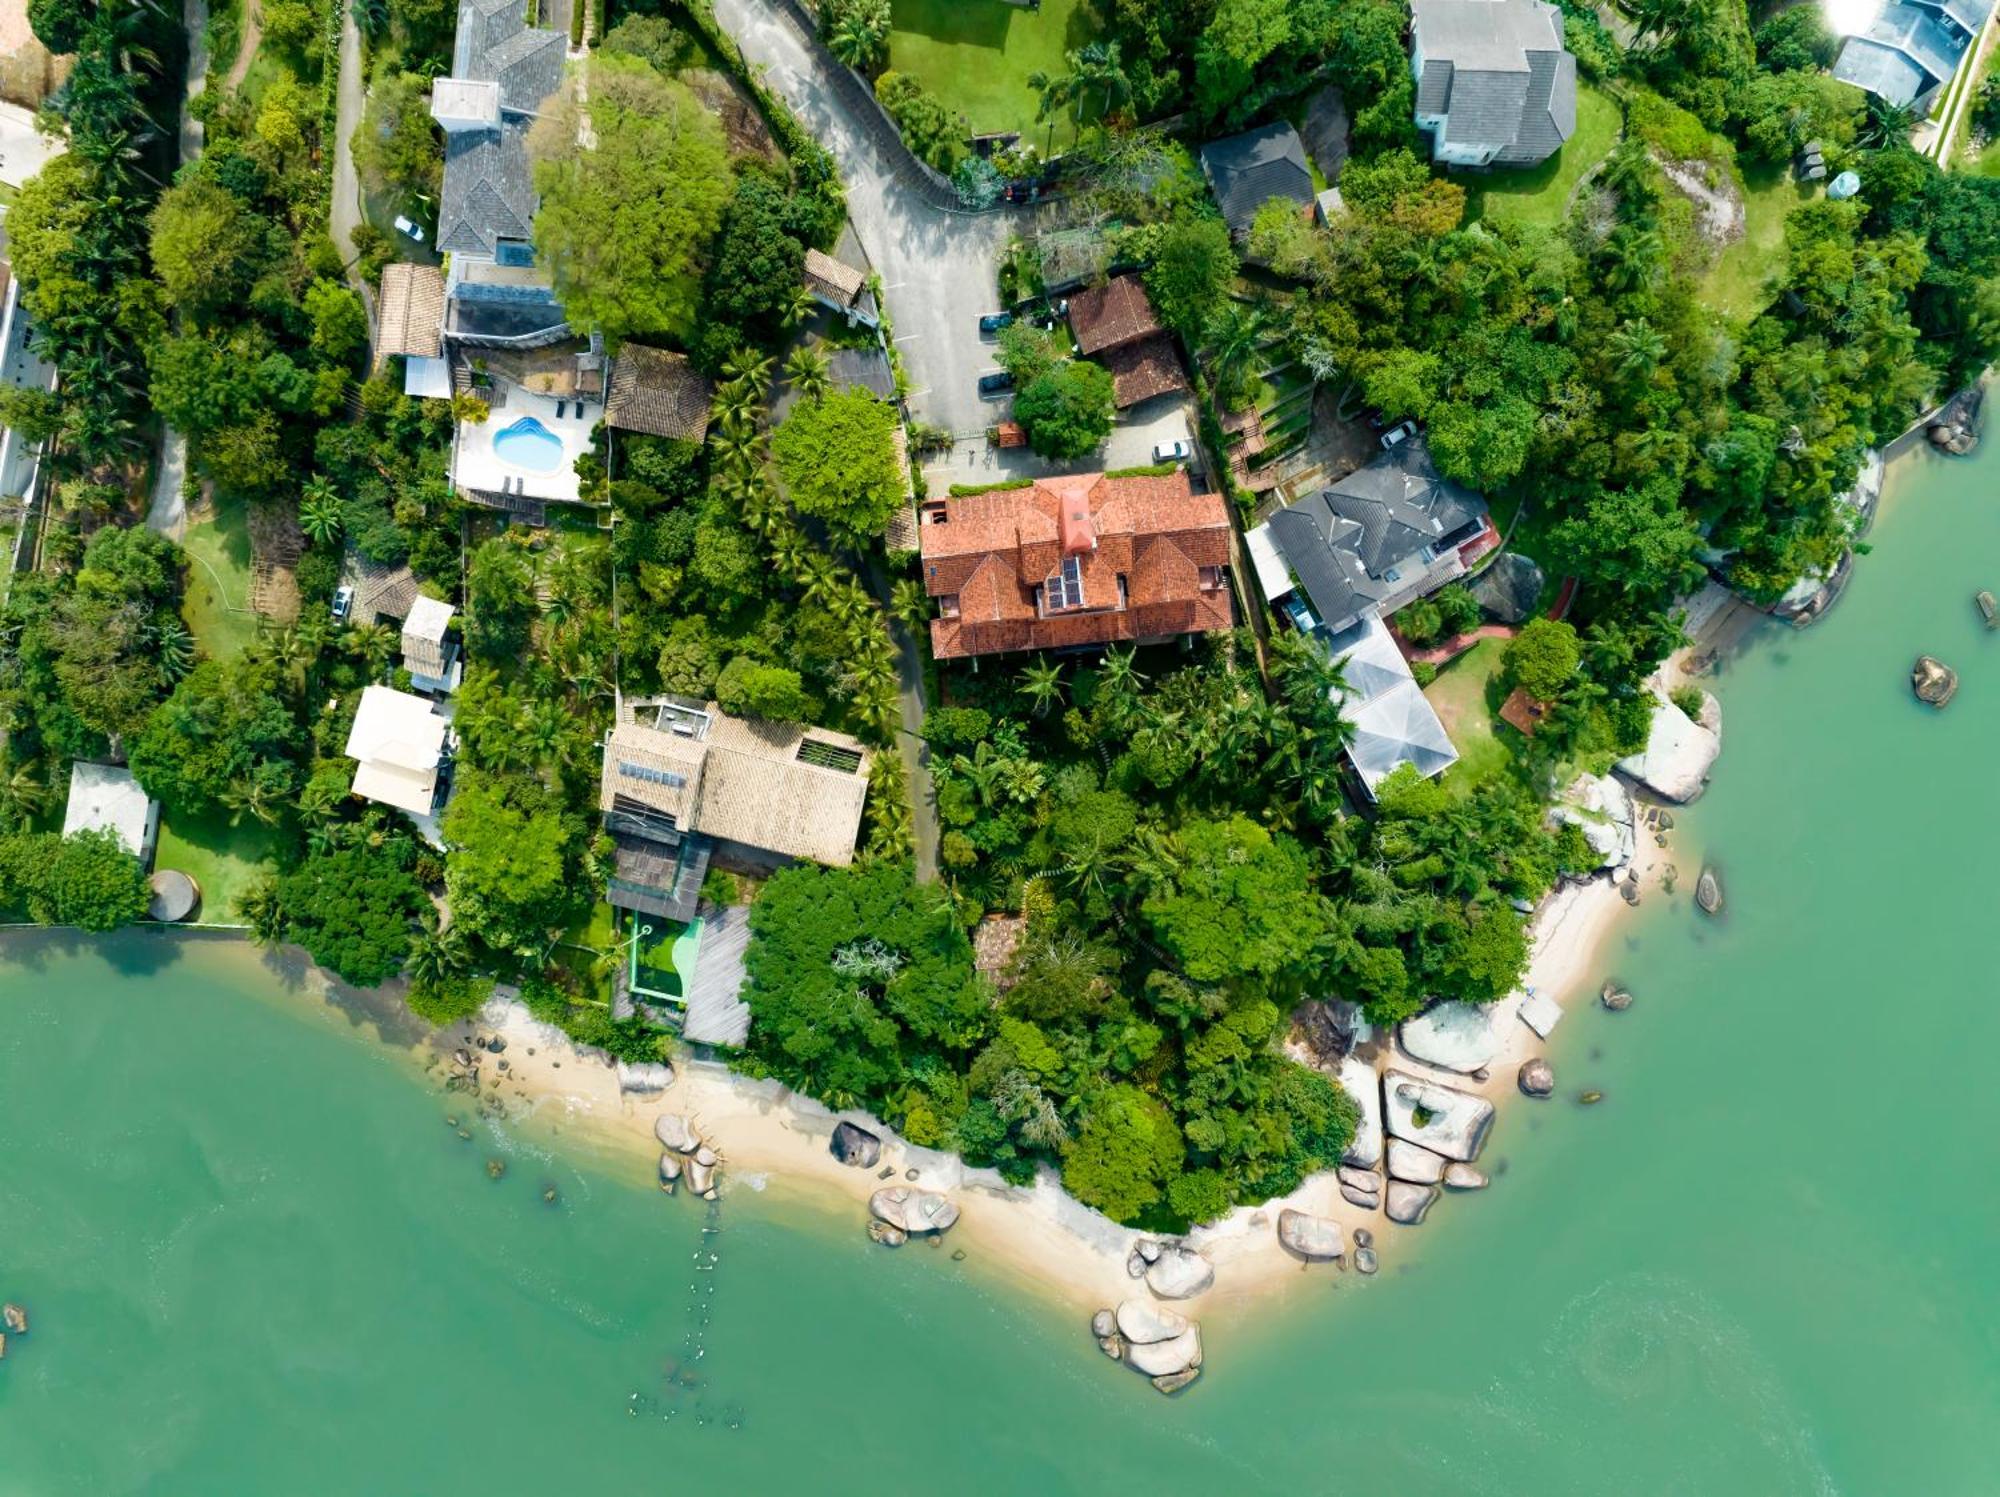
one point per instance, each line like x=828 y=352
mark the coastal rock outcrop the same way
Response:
x=644 y=1078
x=1165 y=1358
x=1933 y=681
x=1354 y=1195
x=1679 y=751
x=700 y=1177
x=1464 y=1177
x=1413 y=1162
x=915 y=1211
x=1451 y=1036
x=1368 y=1180
x=1104 y=1323
x=1441 y=1118
x=1153 y=1341
x=1141 y=1320
x=1316 y=1237
x=1358 y=1077
x=1509 y=588
x=1537 y=1077
x=1601 y=807
x=1615 y=998
x=1179 y=1273
x=1955 y=428
x=856 y=1146
x=676 y=1133
x=670 y=1166
x=1409 y=1203
x=1707 y=894
x=15 y=1318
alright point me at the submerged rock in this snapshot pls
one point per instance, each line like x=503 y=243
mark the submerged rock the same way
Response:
x=1179 y=1273
x=1590 y=1098
x=1707 y=894
x=1173 y=1382
x=1538 y=1077
x=15 y=1318
x=1615 y=998
x=495 y=1168
x=1413 y=1162
x=1409 y=1203
x=676 y=1133
x=1933 y=681
x=1316 y=1237
x=856 y=1146
x=915 y=1211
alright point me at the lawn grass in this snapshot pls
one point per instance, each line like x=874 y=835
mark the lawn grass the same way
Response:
x=223 y=858
x=1737 y=284
x=976 y=55
x=1458 y=696
x=217 y=603
x=1540 y=195
x=1984 y=163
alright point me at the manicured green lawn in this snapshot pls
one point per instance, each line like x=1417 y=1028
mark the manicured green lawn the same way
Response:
x=1540 y=195
x=1459 y=698
x=217 y=604
x=224 y=859
x=976 y=55
x=1737 y=285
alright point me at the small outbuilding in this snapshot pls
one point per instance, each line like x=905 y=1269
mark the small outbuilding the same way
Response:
x=397 y=742
x=106 y=798
x=174 y=896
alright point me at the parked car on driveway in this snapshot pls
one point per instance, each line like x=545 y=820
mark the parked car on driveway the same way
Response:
x=998 y=382
x=343 y=603
x=1173 y=452
x=1398 y=434
x=994 y=322
x=409 y=229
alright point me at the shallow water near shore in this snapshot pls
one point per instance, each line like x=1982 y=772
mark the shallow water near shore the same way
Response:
x=260 y=1260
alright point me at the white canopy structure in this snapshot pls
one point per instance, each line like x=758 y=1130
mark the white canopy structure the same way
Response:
x=398 y=741
x=1393 y=722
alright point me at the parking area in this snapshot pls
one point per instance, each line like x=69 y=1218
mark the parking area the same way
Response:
x=974 y=460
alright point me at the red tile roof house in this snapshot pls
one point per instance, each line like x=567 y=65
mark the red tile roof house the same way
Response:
x=1072 y=562
x=1115 y=325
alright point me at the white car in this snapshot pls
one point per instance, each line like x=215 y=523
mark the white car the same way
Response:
x=410 y=229
x=1173 y=452
x=1398 y=434
x=343 y=603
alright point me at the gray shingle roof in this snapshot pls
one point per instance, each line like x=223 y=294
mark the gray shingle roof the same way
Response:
x=1497 y=71
x=1911 y=48
x=1246 y=171
x=489 y=192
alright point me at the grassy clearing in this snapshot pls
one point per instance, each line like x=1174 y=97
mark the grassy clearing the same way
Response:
x=1737 y=284
x=1458 y=696
x=223 y=858
x=217 y=604
x=976 y=55
x=1540 y=196
x=1986 y=162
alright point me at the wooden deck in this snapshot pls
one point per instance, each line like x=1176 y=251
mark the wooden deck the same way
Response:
x=716 y=1012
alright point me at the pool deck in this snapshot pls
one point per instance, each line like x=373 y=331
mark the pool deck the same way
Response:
x=475 y=465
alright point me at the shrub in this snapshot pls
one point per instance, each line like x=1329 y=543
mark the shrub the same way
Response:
x=1542 y=658
x=1068 y=412
x=934 y=134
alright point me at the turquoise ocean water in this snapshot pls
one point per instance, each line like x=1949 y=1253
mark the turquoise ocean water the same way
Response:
x=260 y=1261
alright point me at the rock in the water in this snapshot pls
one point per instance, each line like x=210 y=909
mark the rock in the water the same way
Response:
x=1707 y=894
x=1413 y=1162
x=1367 y=1180
x=670 y=1165
x=1538 y=1077
x=1310 y=1236
x=1367 y=1200
x=1590 y=1098
x=1679 y=752
x=1112 y=1346
x=1933 y=681
x=1164 y=1358
x=1179 y=1273
x=495 y=1168
x=887 y=1233
x=1103 y=1323
x=1451 y=1036
x=1365 y=1260
x=1955 y=428
x=855 y=1145
x=1148 y=1249
x=700 y=1177
x=1464 y=1177
x=1408 y=1203
x=1358 y=1079
x=1614 y=997
x=915 y=1211
x=15 y=1318
x=1509 y=588
x=1140 y=1321
x=1454 y=1122
x=1173 y=1382
x=676 y=1133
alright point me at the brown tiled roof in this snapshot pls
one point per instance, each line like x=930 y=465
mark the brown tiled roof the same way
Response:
x=656 y=392
x=1523 y=712
x=1105 y=316
x=831 y=278
x=1141 y=577
x=411 y=315
x=1142 y=369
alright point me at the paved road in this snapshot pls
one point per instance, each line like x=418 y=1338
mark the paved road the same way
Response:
x=347 y=211
x=938 y=268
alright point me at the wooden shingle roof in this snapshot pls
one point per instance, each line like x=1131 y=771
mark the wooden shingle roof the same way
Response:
x=658 y=393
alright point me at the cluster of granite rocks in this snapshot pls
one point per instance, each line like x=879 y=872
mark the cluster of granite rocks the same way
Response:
x=684 y=1156
x=1159 y=1344
x=1172 y=1270
x=898 y=1213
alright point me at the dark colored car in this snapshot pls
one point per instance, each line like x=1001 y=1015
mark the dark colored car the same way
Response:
x=999 y=382
x=994 y=322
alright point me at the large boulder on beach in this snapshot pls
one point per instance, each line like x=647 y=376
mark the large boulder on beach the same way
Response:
x=1679 y=751
x=1141 y=1321
x=1600 y=806
x=1179 y=1273
x=1441 y=1118
x=1508 y=589
x=676 y=1132
x=1309 y=1236
x=1933 y=681
x=700 y=1177
x=1537 y=1077
x=1367 y=1200
x=670 y=1165
x=1408 y=1161
x=1409 y=1203
x=1165 y=1358
x=856 y=1146
x=1358 y=1079
x=645 y=1078
x=915 y=1211
x=1452 y=1036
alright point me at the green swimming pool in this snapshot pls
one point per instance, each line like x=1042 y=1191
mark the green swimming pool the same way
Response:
x=662 y=959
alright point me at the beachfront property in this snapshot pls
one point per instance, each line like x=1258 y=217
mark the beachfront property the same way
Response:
x=1075 y=562
x=1911 y=49
x=398 y=743
x=107 y=798
x=1246 y=171
x=1114 y=324
x=1495 y=85
x=1340 y=561
x=684 y=783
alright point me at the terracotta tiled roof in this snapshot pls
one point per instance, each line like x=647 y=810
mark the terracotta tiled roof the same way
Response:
x=1105 y=316
x=658 y=393
x=411 y=315
x=830 y=278
x=1142 y=369
x=991 y=555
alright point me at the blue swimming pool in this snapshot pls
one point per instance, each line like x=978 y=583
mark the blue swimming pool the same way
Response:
x=529 y=444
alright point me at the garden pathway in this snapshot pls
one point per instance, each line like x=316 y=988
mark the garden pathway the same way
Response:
x=346 y=213
x=167 y=511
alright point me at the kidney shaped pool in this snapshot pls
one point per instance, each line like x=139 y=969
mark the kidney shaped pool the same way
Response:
x=528 y=444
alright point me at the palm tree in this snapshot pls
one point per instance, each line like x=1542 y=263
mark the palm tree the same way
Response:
x=749 y=368
x=23 y=794
x=820 y=578
x=321 y=514
x=173 y=647
x=1234 y=336
x=799 y=305
x=860 y=33
x=1887 y=124
x=1042 y=684
x=374 y=645
x=736 y=404
x=1096 y=69
x=261 y=908
x=909 y=602
x=1633 y=253
x=437 y=954
x=252 y=796
x=806 y=372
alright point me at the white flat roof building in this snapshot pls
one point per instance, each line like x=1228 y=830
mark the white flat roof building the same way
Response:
x=397 y=741
x=106 y=798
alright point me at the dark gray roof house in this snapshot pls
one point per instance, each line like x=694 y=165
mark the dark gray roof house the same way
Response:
x=502 y=71
x=1911 y=50
x=1246 y=171
x=1381 y=536
x=1495 y=86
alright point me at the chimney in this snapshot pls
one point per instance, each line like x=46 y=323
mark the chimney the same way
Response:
x=1078 y=536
